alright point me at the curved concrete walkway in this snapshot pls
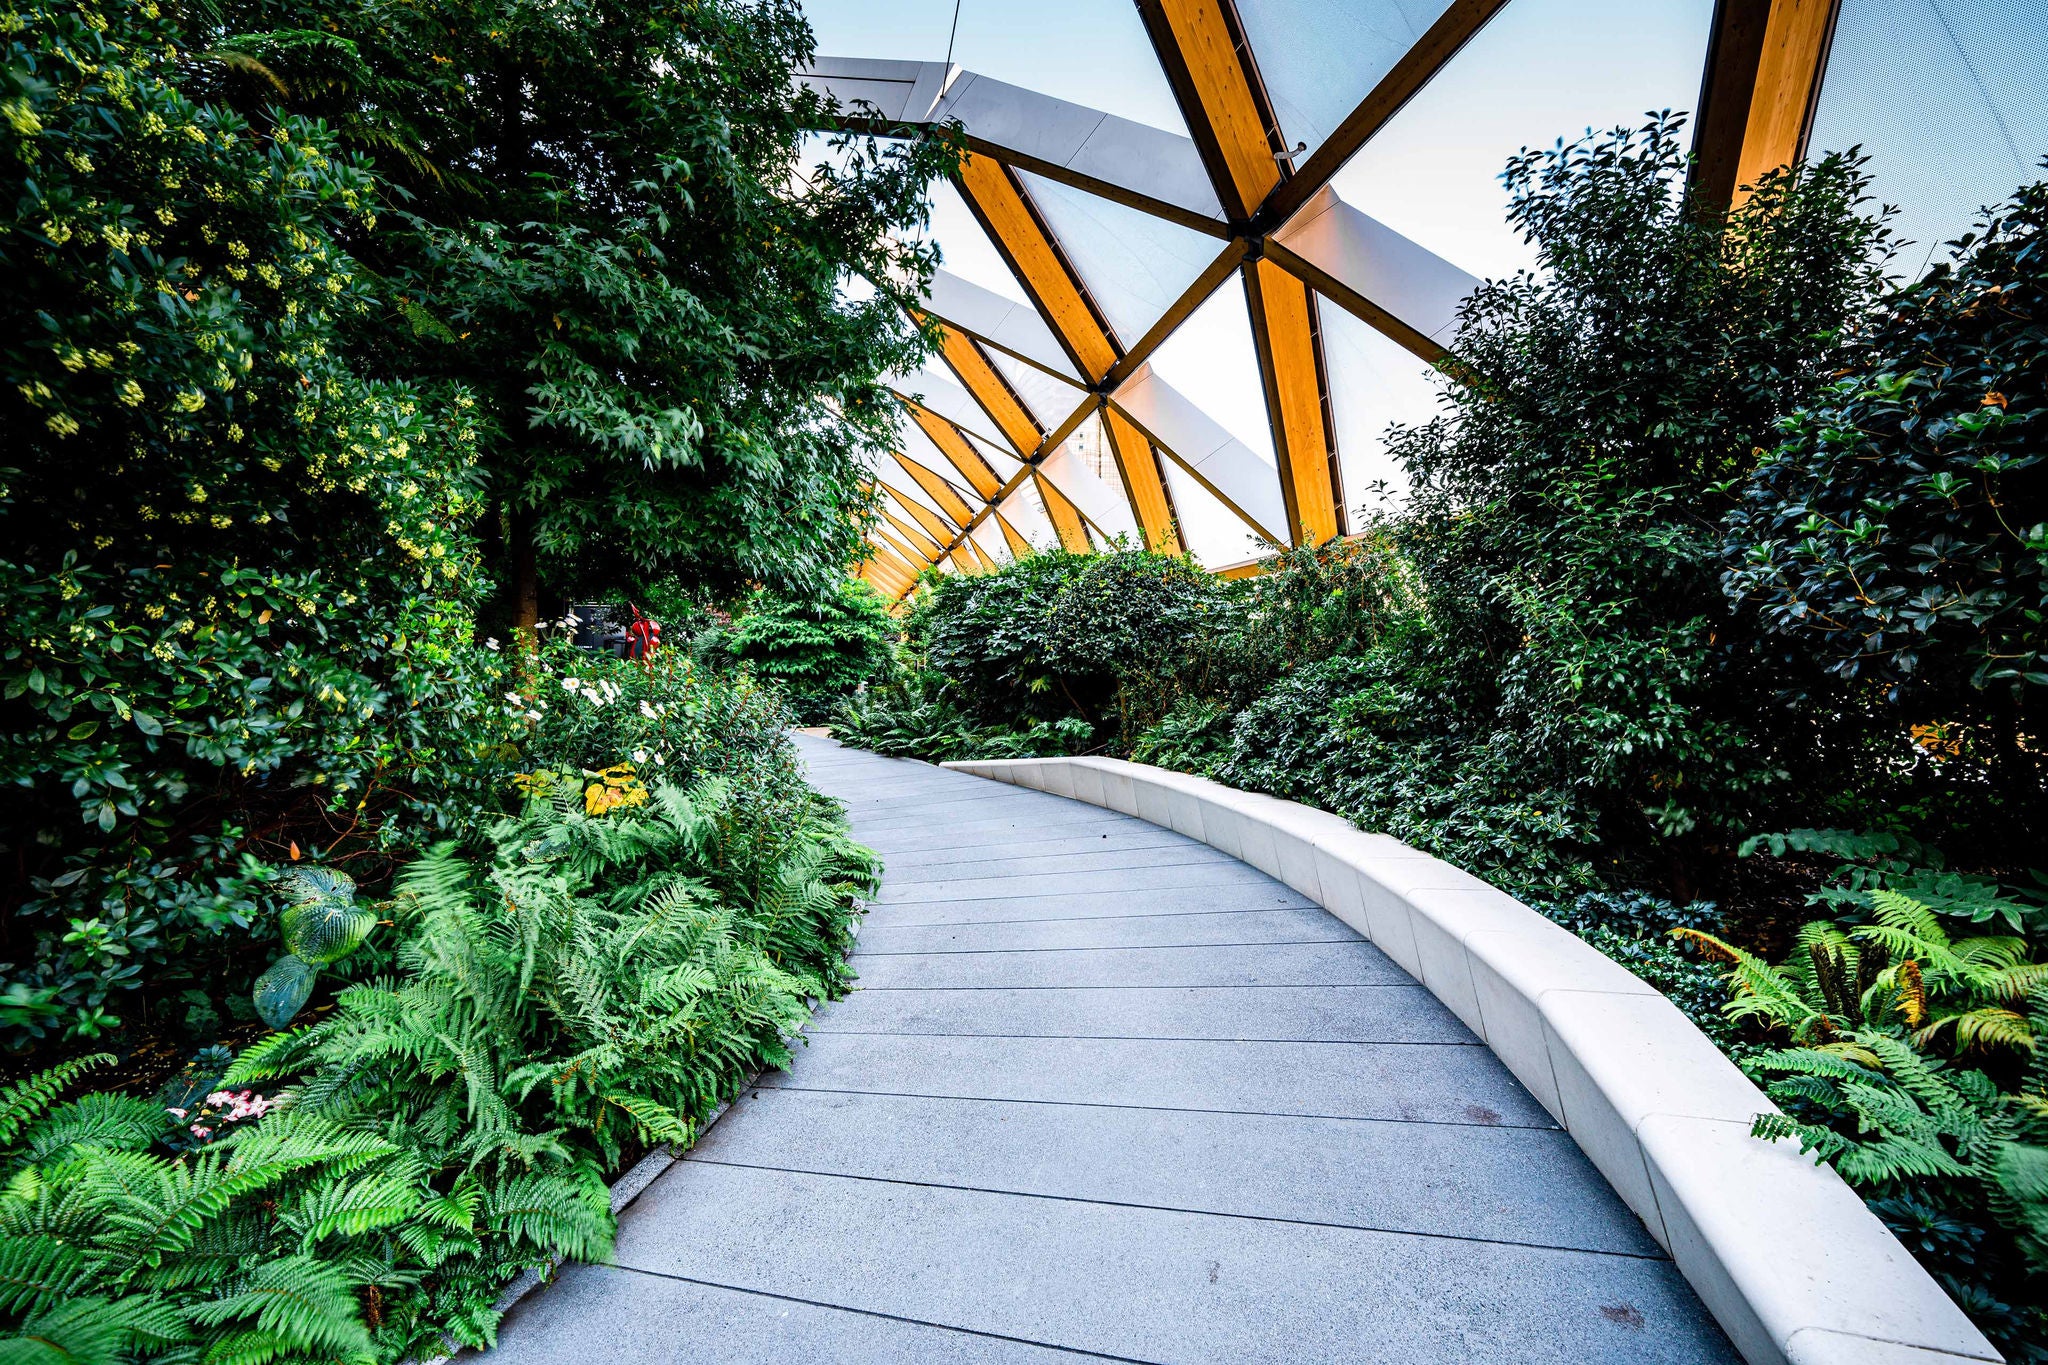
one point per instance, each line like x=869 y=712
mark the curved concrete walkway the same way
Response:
x=1106 y=1093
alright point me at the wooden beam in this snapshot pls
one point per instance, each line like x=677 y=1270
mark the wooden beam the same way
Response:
x=925 y=544
x=1015 y=229
x=1429 y=54
x=936 y=526
x=1020 y=548
x=1765 y=61
x=944 y=494
x=1207 y=65
x=980 y=555
x=1144 y=483
x=1290 y=365
x=909 y=555
x=959 y=452
x=1065 y=517
x=1353 y=302
x=895 y=568
x=979 y=376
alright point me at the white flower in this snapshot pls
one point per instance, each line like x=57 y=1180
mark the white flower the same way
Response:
x=492 y=644
x=533 y=715
x=639 y=755
x=515 y=698
x=648 y=711
x=568 y=684
x=658 y=759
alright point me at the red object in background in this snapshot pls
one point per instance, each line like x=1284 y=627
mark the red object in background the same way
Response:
x=643 y=637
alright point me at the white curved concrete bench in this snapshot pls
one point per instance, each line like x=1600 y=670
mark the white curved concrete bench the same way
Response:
x=1783 y=1253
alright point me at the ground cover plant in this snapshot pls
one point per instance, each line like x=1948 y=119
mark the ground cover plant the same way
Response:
x=1712 y=630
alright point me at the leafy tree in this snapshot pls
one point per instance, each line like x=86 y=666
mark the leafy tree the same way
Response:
x=238 y=573
x=604 y=226
x=1900 y=528
x=1566 y=515
x=818 y=651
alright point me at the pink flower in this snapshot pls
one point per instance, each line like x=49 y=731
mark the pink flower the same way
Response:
x=199 y=1131
x=175 y=1113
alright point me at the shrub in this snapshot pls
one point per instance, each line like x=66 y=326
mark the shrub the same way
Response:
x=1898 y=532
x=650 y=314
x=238 y=572
x=1097 y=637
x=816 y=652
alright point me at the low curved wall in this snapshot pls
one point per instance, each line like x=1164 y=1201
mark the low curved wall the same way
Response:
x=1783 y=1253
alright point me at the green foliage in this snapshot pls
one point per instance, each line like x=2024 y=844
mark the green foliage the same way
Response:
x=1096 y=637
x=1564 y=524
x=816 y=651
x=669 y=716
x=1918 y=1071
x=912 y=717
x=237 y=568
x=322 y=924
x=1900 y=528
x=607 y=222
x=595 y=985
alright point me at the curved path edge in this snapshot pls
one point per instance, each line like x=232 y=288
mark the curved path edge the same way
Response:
x=1785 y=1255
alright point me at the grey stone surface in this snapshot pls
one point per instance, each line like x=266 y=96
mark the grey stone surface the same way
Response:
x=1276 y=964
x=1035 y=857
x=1346 y=1014
x=607 y=1315
x=1423 y=1083
x=1184 y=876
x=1522 y=1185
x=1113 y=931
x=1157 y=1285
x=1050 y=903
x=966 y=837
x=1107 y=1094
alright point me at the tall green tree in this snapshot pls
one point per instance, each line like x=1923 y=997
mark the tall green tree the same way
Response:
x=611 y=220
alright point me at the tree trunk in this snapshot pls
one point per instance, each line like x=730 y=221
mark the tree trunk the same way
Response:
x=525 y=580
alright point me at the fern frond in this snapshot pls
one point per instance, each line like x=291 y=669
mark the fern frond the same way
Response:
x=36 y=1270
x=103 y=1120
x=307 y=1305
x=24 y=1101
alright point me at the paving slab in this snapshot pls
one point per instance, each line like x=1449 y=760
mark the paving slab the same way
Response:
x=975 y=885
x=1053 y=856
x=608 y=1315
x=1259 y=893
x=1405 y=1013
x=1485 y=1183
x=1416 y=1082
x=1157 y=1285
x=1236 y=964
x=1105 y=1093
x=1292 y=925
x=1038 y=856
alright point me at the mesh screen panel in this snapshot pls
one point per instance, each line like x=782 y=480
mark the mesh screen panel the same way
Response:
x=1949 y=98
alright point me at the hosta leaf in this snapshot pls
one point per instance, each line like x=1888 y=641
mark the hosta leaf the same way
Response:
x=322 y=922
x=283 y=991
